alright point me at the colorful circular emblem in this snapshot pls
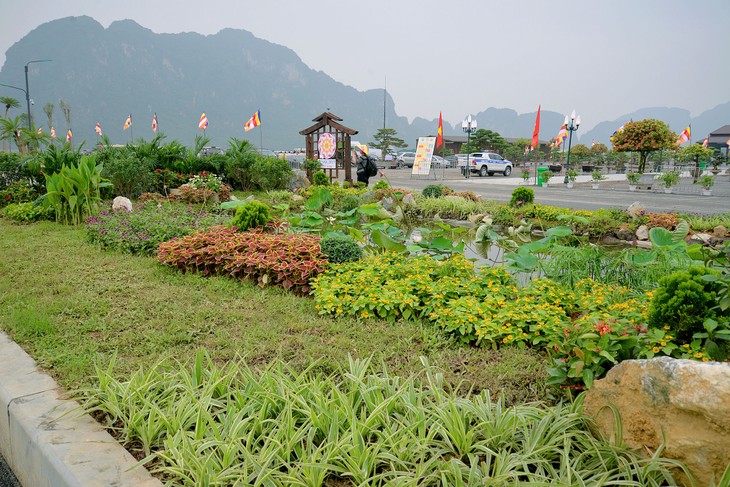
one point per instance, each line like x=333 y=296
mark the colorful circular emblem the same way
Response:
x=327 y=145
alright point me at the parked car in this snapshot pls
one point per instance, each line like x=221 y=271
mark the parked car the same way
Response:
x=406 y=159
x=452 y=160
x=488 y=163
x=209 y=151
x=437 y=161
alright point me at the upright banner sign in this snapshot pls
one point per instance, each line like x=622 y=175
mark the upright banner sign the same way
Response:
x=424 y=152
x=327 y=145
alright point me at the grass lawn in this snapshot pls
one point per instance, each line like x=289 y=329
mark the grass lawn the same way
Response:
x=70 y=304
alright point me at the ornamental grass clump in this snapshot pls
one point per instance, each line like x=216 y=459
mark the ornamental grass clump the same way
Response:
x=142 y=230
x=201 y=424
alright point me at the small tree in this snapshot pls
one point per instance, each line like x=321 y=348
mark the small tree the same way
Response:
x=385 y=139
x=694 y=153
x=579 y=153
x=644 y=136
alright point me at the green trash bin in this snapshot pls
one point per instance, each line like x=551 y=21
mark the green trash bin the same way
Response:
x=540 y=172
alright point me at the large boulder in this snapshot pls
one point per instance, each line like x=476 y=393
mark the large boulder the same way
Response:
x=684 y=402
x=122 y=203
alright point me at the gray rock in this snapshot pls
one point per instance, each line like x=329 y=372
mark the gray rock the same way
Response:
x=409 y=199
x=635 y=209
x=388 y=203
x=250 y=198
x=624 y=234
x=642 y=233
x=682 y=401
x=299 y=181
x=122 y=203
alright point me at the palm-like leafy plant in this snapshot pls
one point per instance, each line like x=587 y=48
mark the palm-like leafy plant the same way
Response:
x=12 y=129
x=74 y=191
x=9 y=103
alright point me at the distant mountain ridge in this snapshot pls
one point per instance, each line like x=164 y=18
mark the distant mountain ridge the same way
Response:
x=107 y=74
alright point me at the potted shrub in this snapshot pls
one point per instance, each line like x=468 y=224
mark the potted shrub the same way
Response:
x=669 y=179
x=633 y=179
x=571 y=175
x=546 y=178
x=707 y=182
x=596 y=177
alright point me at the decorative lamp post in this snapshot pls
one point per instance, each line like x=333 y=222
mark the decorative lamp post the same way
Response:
x=468 y=126
x=27 y=90
x=571 y=125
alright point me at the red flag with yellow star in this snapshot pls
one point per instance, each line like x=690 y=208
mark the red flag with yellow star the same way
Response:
x=440 y=133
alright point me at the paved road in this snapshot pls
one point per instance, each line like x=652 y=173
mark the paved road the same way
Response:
x=613 y=193
x=7 y=479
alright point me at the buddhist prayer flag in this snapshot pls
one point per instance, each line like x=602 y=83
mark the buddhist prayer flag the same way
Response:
x=536 y=132
x=40 y=130
x=203 y=122
x=562 y=135
x=253 y=122
x=53 y=133
x=128 y=122
x=440 y=132
x=706 y=142
x=684 y=136
x=154 y=123
x=98 y=129
x=69 y=134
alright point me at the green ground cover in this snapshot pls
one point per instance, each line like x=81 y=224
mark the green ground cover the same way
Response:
x=69 y=304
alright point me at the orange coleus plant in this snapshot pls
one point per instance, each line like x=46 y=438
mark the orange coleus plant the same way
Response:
x=288 y=260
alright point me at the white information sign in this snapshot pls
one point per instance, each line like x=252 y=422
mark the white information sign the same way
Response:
x=328 y=163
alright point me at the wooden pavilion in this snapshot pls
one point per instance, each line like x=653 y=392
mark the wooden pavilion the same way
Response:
x=329 y=123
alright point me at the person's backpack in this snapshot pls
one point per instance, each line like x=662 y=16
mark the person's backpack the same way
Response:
x=371 y=169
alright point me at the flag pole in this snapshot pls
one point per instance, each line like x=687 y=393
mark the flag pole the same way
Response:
x=261 y=140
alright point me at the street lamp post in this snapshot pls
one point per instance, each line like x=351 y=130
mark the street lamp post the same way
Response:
x=468 y=126
x=27 y=90
x=571 y=125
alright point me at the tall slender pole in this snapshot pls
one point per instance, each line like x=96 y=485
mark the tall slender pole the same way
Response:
x=27 y=95
x=385 y=92
x=27 y=90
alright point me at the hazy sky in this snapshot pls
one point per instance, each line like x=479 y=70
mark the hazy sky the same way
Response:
x=602 y=58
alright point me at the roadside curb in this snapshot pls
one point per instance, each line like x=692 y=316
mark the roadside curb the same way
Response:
x=46 y=442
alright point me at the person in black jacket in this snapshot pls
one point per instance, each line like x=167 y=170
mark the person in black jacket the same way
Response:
x=366 y=168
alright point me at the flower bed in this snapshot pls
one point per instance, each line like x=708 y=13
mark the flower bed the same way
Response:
x=585 y=329
x=141 y=231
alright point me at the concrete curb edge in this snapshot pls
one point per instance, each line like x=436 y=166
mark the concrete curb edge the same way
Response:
x=46 y=441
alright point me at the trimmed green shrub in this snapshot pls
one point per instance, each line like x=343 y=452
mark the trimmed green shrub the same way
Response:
x=683 y=301
x=433 y=191
x=250 y=215
x=130 y=176
x=340 y=248
x=320 y=179
x=269 y=173
x=522 y=196
x=27 y=212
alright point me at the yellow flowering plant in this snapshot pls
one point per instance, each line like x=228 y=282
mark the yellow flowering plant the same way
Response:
x=585 y=329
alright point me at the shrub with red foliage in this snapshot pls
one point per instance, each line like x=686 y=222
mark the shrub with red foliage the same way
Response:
x=289 y=260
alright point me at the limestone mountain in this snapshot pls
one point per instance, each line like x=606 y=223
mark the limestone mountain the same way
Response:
x=108 y=74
